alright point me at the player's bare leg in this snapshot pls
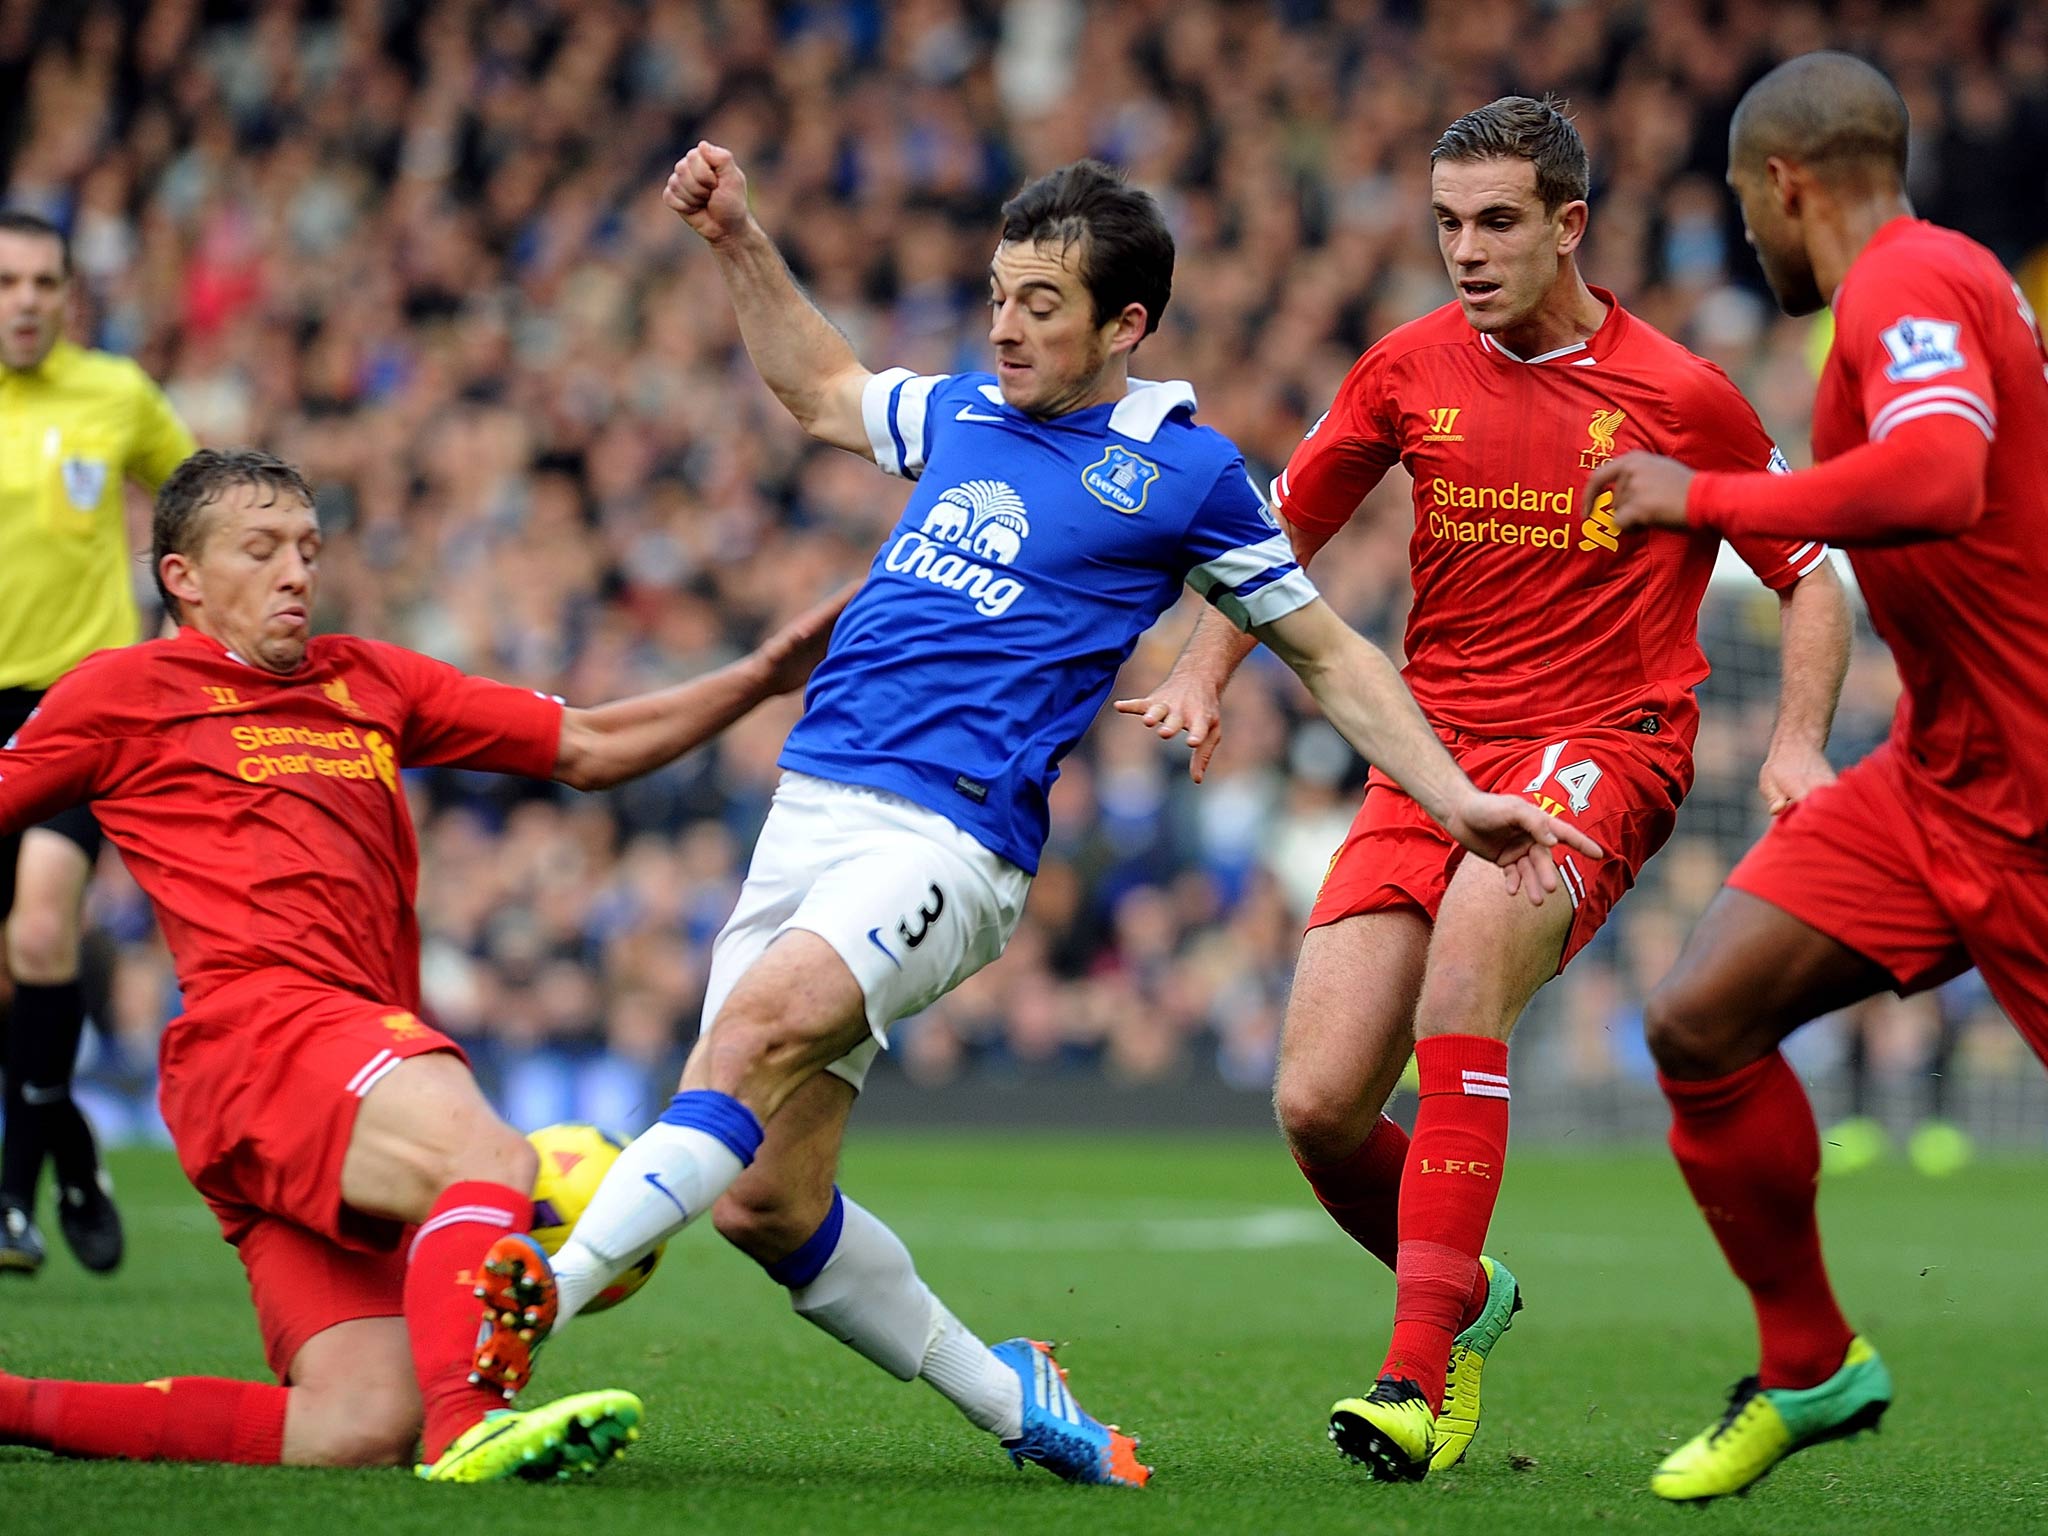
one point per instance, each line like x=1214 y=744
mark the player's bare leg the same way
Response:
x=351 y=1403
x=793 y=1012
x=1347 y=1036
x=1488 y=954
x=44 y=933
x=1744 y=1137
x=353 y=1400
x=427 y=1149
x=851 y=1276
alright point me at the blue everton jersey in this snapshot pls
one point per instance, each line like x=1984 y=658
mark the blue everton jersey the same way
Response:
x=1032 y=556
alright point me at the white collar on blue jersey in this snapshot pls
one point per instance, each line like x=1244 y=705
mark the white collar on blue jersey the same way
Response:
x=1141 y=413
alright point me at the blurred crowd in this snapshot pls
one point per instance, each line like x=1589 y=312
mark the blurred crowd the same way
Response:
x=419 y=249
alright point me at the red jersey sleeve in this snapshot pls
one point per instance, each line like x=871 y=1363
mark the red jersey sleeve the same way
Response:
x=1911 y=340
x=1723 y=432
x=471 y=722
x=1912 y=345
x=1343 y=455
x=63 y=756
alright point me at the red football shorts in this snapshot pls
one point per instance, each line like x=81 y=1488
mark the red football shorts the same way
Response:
x=1621 y=787
x=1875 y=866
x=259 y=1085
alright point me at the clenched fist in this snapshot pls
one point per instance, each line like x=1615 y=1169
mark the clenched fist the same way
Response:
x=709 y=190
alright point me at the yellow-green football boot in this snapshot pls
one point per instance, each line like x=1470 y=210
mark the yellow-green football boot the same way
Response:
x=1764 y=1425
x=556 y=1441
x=1389 y=1431
x=1459 y=1420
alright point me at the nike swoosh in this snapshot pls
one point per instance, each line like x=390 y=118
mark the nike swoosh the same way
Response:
x=874 y=938
x=969 y=413
x=667 y=1194
x=511 y=1423
x=31 y=1094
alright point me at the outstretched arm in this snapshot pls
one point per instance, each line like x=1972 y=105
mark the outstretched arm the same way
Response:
x=1366 y=701
x=611 y=743
x=1813 y=657
x=801 y=357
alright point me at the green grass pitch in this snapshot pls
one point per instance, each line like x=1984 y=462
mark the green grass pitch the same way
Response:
x=1204 y=1303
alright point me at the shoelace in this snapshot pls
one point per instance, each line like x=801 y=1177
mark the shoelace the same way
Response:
x=1739 y=1398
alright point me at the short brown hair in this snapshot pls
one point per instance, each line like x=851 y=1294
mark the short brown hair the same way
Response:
x=179 y=526
x=1522 y=128
x=1126 y=248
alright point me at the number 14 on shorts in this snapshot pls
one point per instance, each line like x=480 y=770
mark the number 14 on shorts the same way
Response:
x=1576 y=779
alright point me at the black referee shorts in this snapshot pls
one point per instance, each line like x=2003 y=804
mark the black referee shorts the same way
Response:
x=76 y=822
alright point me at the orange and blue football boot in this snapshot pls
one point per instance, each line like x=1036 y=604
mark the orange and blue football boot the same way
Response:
x=1058 y=1433
x=517 y=1287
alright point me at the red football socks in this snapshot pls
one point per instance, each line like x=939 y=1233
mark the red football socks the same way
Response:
x=441 y=1310
x=181 y=1418
x=1750 y=1153
x=1362 y=1192
x=1447 y=1193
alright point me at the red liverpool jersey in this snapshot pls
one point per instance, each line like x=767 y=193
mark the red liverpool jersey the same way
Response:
x=1531 y=617
x=1927 y=323
x=264 y=815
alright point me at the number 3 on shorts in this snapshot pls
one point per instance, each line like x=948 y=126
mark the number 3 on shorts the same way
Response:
x=1577 y=778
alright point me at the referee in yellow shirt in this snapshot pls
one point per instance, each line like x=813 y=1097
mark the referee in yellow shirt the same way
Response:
x=75 y=427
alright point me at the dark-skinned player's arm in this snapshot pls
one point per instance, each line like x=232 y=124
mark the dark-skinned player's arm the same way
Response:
x=1923 y=481
x=797 y=351
x=1364 y=698
x=608 y=744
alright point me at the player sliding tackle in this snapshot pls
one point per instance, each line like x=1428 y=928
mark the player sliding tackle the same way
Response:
x=1558 y=664
x=1930 y=855
x=249 y=773
x=1060 y=507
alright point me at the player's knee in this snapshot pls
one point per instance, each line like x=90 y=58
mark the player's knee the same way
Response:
x=765 y=1225
x=475 y=1148
x=757 y=1037
x=496 y=1154
x=1321 y=1126
x=1686 y=1034
x=42 y=945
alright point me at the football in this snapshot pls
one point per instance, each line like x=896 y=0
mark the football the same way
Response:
x=573 y=1162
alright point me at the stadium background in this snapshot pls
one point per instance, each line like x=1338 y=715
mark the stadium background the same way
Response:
x=419 y=249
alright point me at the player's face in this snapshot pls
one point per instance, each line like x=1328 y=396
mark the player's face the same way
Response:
x=254 y=576
x=1774 y=235
x=33 y=288
x=1503 y=248
x=1051 y=356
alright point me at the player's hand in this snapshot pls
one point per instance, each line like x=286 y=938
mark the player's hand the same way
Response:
x=1184 y=702
x=1649 y=492
x=1791 y=773
x=709 y=190
x=792 y=651
x=1512 y=832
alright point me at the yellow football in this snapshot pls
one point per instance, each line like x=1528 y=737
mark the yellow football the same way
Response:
x=573 y=1162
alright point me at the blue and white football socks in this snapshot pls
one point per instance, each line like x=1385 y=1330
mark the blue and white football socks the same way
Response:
x=669 y=1176
x=854 y=1279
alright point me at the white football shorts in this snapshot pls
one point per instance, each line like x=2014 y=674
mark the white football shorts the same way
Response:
x=911 y=903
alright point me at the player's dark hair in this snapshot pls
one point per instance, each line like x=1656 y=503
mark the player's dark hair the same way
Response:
x=1522 y=128
x=1126 y=248
x=179 y=524
x=1826 y=110
x=19 y=221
